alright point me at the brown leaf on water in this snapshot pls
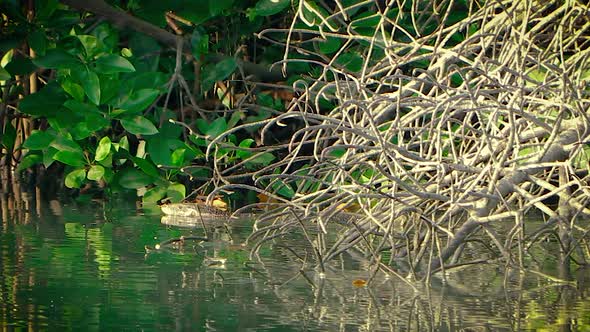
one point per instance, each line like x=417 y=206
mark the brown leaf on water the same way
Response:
x=219 y=204
x=262 y=198
x=359 y=283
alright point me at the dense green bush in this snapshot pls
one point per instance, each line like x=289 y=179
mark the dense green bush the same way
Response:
x=111 y=102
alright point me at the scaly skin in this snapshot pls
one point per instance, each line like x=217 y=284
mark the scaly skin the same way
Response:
x=193 y=210
x=209 y=213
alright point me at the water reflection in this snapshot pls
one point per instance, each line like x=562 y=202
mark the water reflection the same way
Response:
x=69 y=266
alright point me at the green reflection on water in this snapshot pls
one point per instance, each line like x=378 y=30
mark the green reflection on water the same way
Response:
x=72 y=268
x=77 y=272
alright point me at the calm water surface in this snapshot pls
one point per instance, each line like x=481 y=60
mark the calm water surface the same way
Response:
x=85 y=268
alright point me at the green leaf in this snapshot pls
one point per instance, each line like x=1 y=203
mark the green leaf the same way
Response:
x=265 y=99
x=127 y=53
x=154 y=80
x=242 y=154
x=108 y=175
x=330 y=46
x=218 y=126
x=337 y=153
x=154 y=194
x=283 y=189
x=132 y=178
x=201 y=172
x=139 y=100
x=537 y=75
x=64 y=120
x=57 y=59
x=107 y=35
x=94 y=120
x=235 y=118
x=146 y=51
x=264 y=159
x=104 y=149
x=581 y=160
x=47 y=102
x=110 y=88
x=138 y=125
x=63 y=143
x=73 y=89
x=4 y=75
x=202 y=126
x=124 y=143
x=200 y=42
x=366 y=176
x=38 y=42
x=71 y=158
x=159 y=151
x=217 y=7
x=177 y=157
x=39 y=140
x=91 y=123
x=91 y=45
x=80 y=107
x=95 y=173
x=214 y=129
x=91 y=85
x=108 y=161
x=8 y=136
x=221 y=152
x=112 y=63
x=218 y=72
x=313 y=14
x=29 y=160
x=48 y=156
x=198 y=141
x=20 y=66
x=191 y=153
x=146 y=166
x=45 y=9
x=75 y=178
x=63 y=18
x=268 y=7
x=9 y=44
x=176 y=192
x=366 y=20
x=351 y=61
x=72 y=45
x=170 y=130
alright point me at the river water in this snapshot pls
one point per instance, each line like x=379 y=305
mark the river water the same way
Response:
x=84 y=267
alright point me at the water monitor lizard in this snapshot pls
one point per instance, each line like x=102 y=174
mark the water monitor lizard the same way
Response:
x=206 y=213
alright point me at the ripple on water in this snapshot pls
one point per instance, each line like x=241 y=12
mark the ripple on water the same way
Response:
x=60 y=271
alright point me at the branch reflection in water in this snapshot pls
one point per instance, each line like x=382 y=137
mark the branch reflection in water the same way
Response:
x=67 y=264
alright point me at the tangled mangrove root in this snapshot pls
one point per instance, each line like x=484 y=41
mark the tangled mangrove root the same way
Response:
x=490 y=123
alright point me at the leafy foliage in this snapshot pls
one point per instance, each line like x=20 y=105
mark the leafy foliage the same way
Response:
x=108 y=94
